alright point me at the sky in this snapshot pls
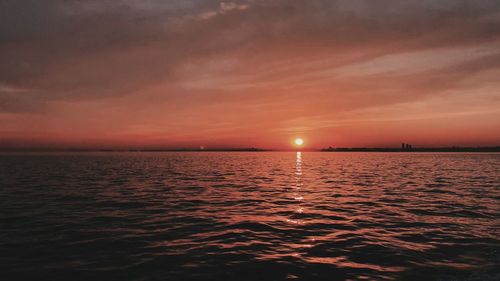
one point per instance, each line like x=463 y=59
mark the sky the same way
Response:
x=249 y=73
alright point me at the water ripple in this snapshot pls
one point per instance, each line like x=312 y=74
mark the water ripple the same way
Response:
x=250 y=216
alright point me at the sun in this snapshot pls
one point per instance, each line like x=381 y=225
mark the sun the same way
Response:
x=299 y=141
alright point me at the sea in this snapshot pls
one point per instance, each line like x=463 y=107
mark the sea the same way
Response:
x=250 y=216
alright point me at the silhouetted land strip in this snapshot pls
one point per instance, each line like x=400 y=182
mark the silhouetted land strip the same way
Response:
x=419 y=149
x=251 y=149
x=206 y=149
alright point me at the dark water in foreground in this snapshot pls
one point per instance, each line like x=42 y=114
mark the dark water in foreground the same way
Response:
x=250 y=216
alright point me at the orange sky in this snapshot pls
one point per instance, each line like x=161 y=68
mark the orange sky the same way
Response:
x=177 y=74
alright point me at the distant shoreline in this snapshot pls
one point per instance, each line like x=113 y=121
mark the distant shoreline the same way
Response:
x=422 y=149
x=338 y=149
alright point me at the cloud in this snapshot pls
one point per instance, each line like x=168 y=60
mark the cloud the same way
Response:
x=4 y=88
x=421 y=61
x=67 y=45
x=214 y=60
x=224 y=7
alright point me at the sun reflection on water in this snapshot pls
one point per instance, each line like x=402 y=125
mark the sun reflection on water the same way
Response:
x=298 y=165
x=298 y=178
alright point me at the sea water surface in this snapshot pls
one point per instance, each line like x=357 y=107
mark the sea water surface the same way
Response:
x=250 y=216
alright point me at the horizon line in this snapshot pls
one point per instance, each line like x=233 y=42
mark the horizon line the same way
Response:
x=495 y=148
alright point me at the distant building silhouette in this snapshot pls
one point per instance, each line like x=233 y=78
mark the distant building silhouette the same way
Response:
x=406 y=146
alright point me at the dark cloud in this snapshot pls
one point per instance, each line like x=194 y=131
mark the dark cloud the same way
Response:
x=93 y=48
